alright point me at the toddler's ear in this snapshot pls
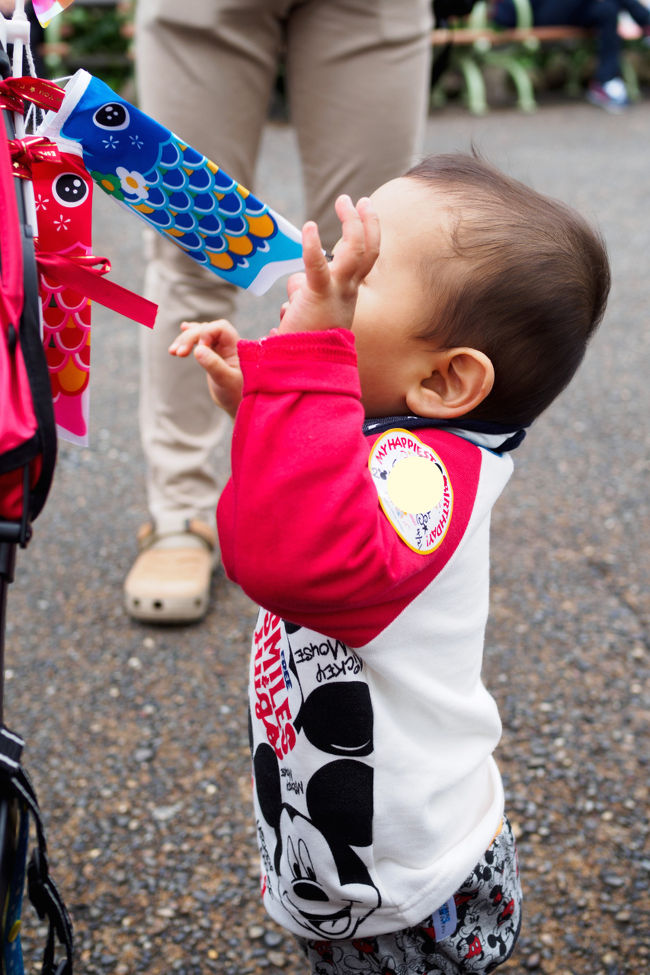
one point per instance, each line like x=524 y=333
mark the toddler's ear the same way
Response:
x=459 y=380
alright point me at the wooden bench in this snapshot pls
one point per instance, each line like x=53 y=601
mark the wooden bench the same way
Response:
x=477 y=43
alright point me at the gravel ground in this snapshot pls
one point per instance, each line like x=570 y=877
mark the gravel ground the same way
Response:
x=136 y=735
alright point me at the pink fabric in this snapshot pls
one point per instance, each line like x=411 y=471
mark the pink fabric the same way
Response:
x=63 y=193
x=308 y=540
x=70 y=277
x=18 y=422
x=11 y=273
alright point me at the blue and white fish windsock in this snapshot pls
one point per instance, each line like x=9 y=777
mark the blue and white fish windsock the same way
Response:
x=176 y=189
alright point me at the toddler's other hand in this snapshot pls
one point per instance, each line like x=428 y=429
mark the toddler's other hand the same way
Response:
x=215 y=349
x=325 y=294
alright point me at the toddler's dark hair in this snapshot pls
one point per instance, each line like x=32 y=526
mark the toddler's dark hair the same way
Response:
x=526 y=282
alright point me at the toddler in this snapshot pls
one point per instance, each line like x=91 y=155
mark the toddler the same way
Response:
x=373 y=431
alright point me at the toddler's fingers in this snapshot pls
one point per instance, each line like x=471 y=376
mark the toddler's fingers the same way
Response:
x=350 y=251
x=214 y=365
x=316 y=264
x=220 y=334
x=371 y=230
x=183 y=343
x=294 y=283
x=225 y=381
x=213 y=329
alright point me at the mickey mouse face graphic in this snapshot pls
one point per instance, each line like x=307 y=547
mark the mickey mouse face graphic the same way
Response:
x=325 y=888
x=322 y=881
x=317 y=800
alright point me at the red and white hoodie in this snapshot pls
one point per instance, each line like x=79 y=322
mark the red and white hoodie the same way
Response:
x=372 y=734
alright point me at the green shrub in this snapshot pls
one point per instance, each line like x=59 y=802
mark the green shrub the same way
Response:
x=95 y=36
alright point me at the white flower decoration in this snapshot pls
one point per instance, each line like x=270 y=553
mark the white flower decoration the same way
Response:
x=132 y=182
x=61 y=222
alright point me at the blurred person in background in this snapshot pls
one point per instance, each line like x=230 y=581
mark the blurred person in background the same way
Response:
x=607 y=88
x=356 y=77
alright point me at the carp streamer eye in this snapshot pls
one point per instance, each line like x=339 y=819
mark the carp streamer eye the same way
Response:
x=113 y=115
x=70 y=190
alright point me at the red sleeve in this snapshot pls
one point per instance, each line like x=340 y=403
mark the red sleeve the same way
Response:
x=300 y=524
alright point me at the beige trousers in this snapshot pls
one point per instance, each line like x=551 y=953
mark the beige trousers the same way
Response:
x=357 y=81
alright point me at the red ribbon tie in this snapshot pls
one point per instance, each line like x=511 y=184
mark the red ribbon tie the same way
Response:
x=28 y=150
x=84 y=273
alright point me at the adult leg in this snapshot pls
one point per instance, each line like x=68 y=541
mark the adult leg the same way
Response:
x=209 y=80
x=603 y=15
x=357 y=78
x=637 y=11
x=599 y=14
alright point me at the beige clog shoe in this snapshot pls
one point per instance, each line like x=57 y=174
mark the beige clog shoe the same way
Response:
x=170 y=579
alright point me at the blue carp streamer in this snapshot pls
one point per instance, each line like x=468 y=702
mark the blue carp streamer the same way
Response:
x=180 y=192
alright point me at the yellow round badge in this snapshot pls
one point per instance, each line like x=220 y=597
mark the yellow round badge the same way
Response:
x=415 y=484
x=413 y=487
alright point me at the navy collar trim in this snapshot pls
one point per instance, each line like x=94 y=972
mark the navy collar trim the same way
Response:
x=498 y=437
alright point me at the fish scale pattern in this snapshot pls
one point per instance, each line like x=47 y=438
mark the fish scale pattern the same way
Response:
x=175 y=188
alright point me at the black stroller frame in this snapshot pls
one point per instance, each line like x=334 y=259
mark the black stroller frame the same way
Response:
x=18 y=802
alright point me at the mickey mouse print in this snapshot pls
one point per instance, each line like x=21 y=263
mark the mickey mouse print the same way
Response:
x=312 y=743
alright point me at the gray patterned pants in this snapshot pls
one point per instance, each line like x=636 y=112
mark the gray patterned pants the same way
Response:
x=488 y=915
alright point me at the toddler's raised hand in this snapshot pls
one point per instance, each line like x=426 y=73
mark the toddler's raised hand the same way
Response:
x=325 y=294
x=215 y=348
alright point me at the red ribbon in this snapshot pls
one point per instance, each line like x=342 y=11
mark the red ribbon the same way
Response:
x=45 y=94
x=32 y=148
x=10 y=100
x=84 y=273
